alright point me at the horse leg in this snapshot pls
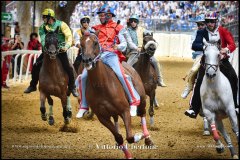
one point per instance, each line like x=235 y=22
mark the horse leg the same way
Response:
x=211 y=119
x=116 y=123
x=127 y=122
x=234 y=122
x=205 y=126
x=146 y=134
x=227 y=139
x=65 y=112
x=42 y=106
x=150 y=110
x=50 y=103
x=118 y=137
x=155 y=103
x=69 y=107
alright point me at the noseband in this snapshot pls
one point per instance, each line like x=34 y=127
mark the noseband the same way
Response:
x=213 y=66
x=148 y=51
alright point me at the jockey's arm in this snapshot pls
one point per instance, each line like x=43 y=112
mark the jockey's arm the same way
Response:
x=68 y=35
x=231 y=46
x=77 y=39
x=198 y=42
x=123 y=43
x=42 y=35
x=129 y=40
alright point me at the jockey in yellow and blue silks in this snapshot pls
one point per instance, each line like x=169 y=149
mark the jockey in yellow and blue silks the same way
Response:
x=65 y=41
x=111 y=55
x=84 y=23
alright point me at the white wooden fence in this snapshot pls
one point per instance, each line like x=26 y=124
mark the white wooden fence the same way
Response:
x=72 y=54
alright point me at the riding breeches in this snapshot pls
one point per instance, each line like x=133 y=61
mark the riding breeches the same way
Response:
x=65 y=62
x=227 y=69
x=111 y=60
x=133 y=58
x=36 y=70
x=156 y=65
x=191 y=76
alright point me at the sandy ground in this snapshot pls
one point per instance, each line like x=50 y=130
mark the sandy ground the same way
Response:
x=25 y=135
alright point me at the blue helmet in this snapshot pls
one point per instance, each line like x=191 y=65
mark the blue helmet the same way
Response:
x=106 y=9
x=134 y=17
x=200 y=18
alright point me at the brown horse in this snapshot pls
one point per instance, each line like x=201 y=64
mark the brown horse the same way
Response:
x=147 y=72
x=106 y=96
x=53 y=80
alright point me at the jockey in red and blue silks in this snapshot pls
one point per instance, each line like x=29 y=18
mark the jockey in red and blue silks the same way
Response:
x=111 y=48
x=213 y=33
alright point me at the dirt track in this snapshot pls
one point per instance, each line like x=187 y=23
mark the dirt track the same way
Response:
x=25 y=135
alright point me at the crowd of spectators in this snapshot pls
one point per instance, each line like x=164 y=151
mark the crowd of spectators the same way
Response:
x=156 y=15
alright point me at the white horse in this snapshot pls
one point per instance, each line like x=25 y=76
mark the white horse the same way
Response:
x=217 y=99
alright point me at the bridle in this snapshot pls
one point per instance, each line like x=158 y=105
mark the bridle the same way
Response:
x=91 y=61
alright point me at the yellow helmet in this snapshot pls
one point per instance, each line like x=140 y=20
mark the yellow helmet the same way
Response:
x=48 y=12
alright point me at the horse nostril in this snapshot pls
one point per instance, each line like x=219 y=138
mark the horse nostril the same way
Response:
x=213 y=75
x=207 y=74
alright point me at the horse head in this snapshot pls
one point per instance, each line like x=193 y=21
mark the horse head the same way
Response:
x=90 y=50
x=149 y=43
x=51 y=43
x=212 y=59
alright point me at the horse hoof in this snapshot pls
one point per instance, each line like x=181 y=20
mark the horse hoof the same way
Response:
x=67 y=121
x=44 y=117
x=51 y=120
x=220 y=149
x=206 y=133
x=148 y=142
x=235 y=157
x=156 y=106
x=88 y=115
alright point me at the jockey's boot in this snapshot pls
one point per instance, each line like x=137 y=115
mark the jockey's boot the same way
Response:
x=160 y=82
x=190 y=113
x=30 y=89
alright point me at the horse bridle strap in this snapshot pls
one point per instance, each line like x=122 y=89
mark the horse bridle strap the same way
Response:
x=213 y=66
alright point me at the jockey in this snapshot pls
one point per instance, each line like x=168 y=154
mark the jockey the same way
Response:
x=197 y=56
x=84 y=21
x=136 y=33
x=112 y=42
x=213 y=33
x=65 y=39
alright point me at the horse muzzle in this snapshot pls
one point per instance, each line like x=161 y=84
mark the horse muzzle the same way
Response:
x=210 y=76
x=88 y=63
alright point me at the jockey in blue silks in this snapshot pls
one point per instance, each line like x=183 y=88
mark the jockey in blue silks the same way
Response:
x=111 y=55
x=197 y=56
